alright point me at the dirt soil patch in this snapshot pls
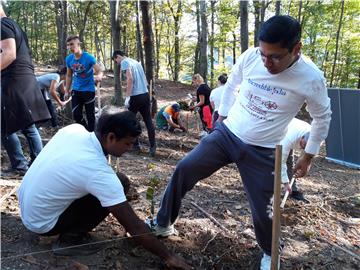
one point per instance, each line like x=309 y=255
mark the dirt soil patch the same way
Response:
x=313 y=234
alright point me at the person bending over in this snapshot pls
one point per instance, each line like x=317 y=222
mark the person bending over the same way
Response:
x=168 y=118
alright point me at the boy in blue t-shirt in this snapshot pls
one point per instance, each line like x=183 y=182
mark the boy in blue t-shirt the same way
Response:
x=80 y=82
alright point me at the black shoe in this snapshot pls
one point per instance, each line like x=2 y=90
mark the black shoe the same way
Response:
x=297 y=195
x=76 y=244
x=14 y=172
x=152 y=151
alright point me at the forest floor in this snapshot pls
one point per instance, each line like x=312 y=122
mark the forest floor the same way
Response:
x=315 y=234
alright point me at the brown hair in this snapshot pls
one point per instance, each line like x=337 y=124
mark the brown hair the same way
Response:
x=73 y=37
x=198 y=77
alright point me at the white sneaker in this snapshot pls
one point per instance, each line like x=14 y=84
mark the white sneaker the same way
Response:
x=161 y=231
x=266 y=262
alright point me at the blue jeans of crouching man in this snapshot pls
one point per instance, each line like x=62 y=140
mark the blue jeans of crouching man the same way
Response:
x=222 y=147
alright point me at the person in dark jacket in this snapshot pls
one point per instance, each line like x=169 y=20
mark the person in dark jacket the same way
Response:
x=22 y=104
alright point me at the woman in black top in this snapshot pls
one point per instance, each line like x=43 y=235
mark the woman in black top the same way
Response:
x=203 y=99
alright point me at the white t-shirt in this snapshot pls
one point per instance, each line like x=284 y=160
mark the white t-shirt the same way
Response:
x=138 y=75
x=44 y=81
x=296 y=129
x=215 y=96
x=70 y=166
x=268 y=102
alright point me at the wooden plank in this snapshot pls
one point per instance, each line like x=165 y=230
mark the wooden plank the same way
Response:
x=276 y=210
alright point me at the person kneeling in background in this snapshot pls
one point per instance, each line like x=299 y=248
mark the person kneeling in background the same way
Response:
x=168 y=118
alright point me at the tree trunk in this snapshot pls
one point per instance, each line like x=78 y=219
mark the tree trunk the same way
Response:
x=203 y=41
x=289 y=8
x=124 y=43
x=234 y=48
x=264 y=5
x=61 y=20
x=148 y=41
x=197 y=49
x=83 y=26
x=358 y=86
x=139 y=51
x=256 y=22
x=157 y=43
x=212 y=43
x=337 y=44
x=277 y=7
x=177 y=18
x=299 y=11
x=244 y=26
x=99 y=49
x=115 y=32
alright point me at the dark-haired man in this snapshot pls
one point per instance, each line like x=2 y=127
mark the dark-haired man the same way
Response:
x=80 y=82
x=137 y=98
x=275 y=80
x=70 y=188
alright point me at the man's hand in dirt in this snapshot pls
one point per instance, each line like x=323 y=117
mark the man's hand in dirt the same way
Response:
x=62 y=104
x=303 y=165
x=176 y=262
x=67 y=95
x=183 y=129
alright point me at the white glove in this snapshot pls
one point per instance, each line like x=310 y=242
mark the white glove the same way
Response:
x=127 y=101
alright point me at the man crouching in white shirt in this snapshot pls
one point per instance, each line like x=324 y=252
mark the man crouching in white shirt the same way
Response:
x=70 y=188
x=296 y=138
x=275 y=80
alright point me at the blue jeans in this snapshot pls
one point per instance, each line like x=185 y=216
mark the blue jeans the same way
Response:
x=13 y=148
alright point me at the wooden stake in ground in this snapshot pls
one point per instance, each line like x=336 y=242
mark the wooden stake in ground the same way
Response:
x=98 y=95
x=276 y=210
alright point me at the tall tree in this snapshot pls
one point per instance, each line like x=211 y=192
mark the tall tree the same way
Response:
x=256 y=22
x=84 y=22
x=277 y=7
x=212 y=40
x=337 y=43
x=177 y=16
x=203 y=63
x=148 y=41
x=115 y=30
x=197 y=48
x=157 y=41
x=61 y=9
x=244 y=26
x=299 y=11
x=139 y=51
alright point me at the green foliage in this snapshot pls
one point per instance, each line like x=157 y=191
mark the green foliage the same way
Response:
x=153 y=183
x=320 y=20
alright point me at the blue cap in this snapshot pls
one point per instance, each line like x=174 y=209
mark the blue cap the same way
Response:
x=176 y=107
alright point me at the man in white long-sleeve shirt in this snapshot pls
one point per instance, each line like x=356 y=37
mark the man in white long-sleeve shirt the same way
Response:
x=296 y=138
x=275 y=80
